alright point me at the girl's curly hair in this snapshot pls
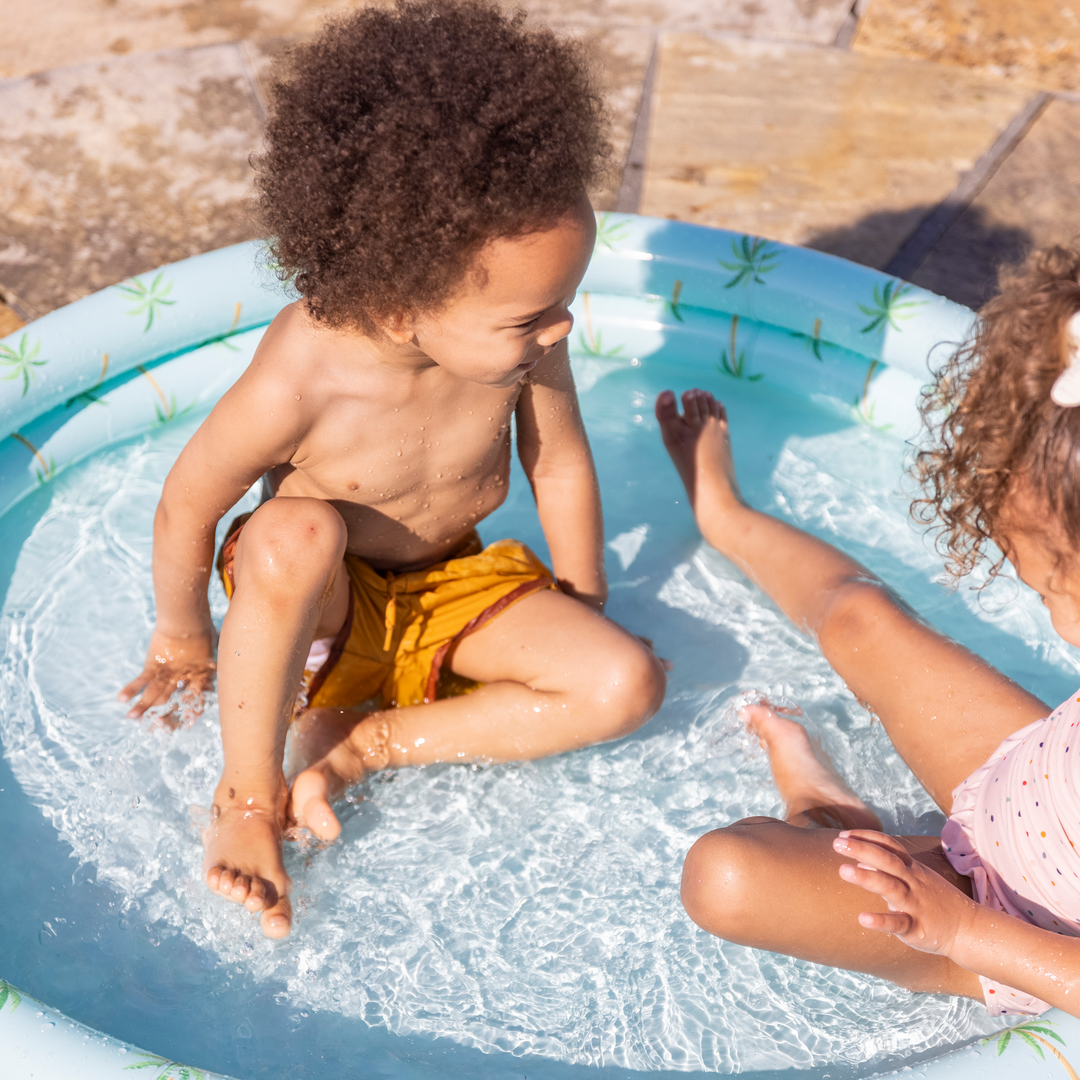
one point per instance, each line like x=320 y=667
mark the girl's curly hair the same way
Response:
x=991 y=419
x=402 y=140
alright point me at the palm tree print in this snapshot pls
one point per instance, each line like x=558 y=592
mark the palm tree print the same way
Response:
x=8 y=993
x=863 y=411
x=887 y=306
x=149 y=298
x=167 y=1070
x=22 y=361
x=1034 y=1032
x=673 y=303
x=88 y=396
x=48 y=468
x=591 y=343
x=736 y=365
x=812 y=343
x=594 y=346
x=609 y=233
x=752 y=258
x=167 y=410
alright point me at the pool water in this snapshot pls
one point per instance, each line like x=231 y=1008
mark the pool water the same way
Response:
x=526 y=911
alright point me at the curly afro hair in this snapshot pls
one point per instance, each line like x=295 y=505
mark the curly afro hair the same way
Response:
x=402 y=140
x=992 y=420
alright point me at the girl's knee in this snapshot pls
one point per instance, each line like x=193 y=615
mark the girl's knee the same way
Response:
x=859 y=611
x=720 y=888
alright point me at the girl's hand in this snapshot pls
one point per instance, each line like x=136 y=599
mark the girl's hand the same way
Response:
x=925 y=911
x=172 y=664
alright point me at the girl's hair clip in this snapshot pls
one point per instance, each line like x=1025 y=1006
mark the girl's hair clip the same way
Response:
x=1066 y=388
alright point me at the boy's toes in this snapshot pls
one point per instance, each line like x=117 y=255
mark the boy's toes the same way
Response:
x=256 y=897
x=276 y=921
x=220 y=880
x=239 y=891
x=310 y=806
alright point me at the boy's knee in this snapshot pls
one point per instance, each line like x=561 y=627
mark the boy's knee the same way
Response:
x=290 y=539
x=718 y=881
x=633 y=689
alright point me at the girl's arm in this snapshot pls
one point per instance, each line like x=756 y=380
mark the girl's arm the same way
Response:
x=929 y=914
x=555 y=454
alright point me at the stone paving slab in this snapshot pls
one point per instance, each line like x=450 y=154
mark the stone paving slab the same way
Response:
x=813 y=146
x=110 y=169
x=114 y=168
x=62 y=33
x=1033 y=200
x=1032 y=41
x=816 y=21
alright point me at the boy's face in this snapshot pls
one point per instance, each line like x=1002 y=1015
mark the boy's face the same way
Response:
x=513 y=306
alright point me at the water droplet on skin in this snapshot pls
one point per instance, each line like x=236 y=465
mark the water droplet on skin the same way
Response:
x=297 y=397
x=251 y=800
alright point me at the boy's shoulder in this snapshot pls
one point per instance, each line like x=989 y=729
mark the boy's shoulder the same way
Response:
x=301 y=359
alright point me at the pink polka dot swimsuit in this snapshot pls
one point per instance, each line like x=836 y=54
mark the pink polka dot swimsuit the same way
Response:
x=1012 y=830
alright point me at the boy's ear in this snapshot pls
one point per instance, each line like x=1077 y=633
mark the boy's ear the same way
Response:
x=399 y=328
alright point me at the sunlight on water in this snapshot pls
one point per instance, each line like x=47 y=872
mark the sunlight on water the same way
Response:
x=526 y=908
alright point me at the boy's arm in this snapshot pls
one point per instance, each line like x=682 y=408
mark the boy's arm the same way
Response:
x=256 y=425
x=555 y=454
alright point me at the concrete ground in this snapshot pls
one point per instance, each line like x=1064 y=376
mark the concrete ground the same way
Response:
x=931 y=138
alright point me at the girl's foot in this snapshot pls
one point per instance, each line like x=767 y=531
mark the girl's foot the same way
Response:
x=699 y=446
x=813 y=791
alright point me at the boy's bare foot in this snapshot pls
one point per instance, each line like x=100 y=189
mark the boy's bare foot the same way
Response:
x=243 y=861
x=700 y=448
x=812 y=790
x=331 y=749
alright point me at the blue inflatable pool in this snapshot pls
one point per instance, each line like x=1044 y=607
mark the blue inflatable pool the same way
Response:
x=432 y=967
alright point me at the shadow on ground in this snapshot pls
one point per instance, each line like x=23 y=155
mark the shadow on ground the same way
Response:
x=962 y=265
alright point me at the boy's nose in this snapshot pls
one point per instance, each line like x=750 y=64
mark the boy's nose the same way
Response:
x=560 y=324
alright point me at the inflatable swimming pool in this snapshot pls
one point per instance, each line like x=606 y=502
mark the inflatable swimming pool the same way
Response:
x=558 y=946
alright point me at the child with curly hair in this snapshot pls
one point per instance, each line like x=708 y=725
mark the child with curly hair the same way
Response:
x=424 y=184
x=990 y=910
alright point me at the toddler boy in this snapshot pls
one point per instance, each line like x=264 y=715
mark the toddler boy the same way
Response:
x=424 y=183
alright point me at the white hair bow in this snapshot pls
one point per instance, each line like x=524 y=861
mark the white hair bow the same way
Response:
x=1066 y=388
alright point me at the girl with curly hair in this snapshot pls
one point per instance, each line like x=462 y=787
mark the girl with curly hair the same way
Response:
x=992 y=909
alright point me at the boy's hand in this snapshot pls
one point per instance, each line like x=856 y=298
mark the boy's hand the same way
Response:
x=170 y=664
x=925 y=911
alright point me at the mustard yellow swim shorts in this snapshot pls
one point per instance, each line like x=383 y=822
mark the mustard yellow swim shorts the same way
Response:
x=401 y=627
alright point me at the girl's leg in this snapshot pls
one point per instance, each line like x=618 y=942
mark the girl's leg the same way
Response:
x=944 y=708
x=774 y=885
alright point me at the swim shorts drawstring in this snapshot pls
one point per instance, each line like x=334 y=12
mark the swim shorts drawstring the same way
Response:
x=391 y=610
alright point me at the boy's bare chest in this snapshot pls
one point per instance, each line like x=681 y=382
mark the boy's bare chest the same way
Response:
x=407 y=479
